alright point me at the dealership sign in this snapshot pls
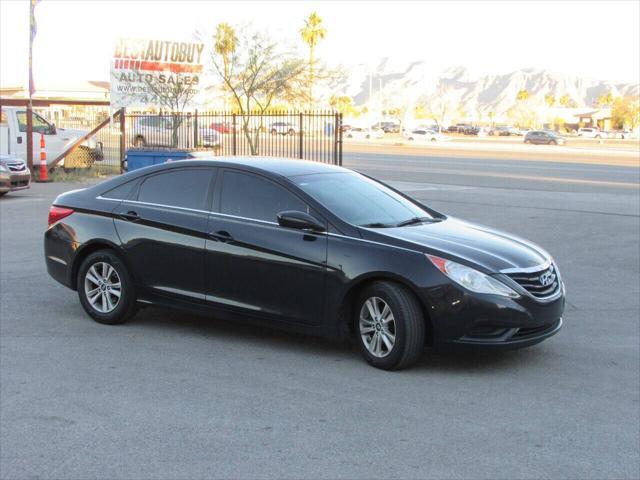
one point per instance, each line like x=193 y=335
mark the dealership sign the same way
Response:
x=144 y=72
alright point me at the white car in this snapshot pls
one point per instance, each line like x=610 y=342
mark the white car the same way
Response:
x=283 y=128
x=591 y=133
x=365 y=133
x=157 y=130
x=421 y=135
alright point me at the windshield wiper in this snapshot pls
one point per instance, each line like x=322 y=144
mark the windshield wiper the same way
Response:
x=415 y=220
x=375 y=225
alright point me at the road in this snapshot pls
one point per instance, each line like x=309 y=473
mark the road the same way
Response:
x=178 y=396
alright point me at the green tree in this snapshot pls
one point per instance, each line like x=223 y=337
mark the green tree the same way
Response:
x=522 y=95
x=605 y=100
x=625 y=112
x=225 y=44
x=565 y=100
x=550 y=99
x=312 y=33
x=259 y=74
x=343 y=104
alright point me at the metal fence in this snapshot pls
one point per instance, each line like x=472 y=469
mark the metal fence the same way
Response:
x=315 y=136
x=86 y=119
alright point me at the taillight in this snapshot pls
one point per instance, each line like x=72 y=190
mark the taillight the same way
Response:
x=58 y=213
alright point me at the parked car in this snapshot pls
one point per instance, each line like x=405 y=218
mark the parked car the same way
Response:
x=458 y=128
x=305 y=246
x=222 y=127
x=158 y=131
x=505 y=131
x=13 y=139
x=470 y=130
x=544 y=137
x=283 y=128
x=390 y=127
x=421 y=135
x=359 y=133
x=14 y=174
x=589 y=132
x=622 y=134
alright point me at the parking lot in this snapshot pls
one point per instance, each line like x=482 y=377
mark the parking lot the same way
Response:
x=179 y=396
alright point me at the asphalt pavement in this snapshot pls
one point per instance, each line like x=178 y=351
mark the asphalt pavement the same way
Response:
x=173 y=395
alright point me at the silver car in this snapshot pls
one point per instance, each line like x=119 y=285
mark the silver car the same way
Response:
x=14 y=174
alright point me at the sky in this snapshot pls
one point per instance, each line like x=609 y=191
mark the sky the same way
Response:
x=597 y=39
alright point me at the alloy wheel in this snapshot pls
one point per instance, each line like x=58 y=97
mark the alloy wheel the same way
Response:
x=102 y=287
x=377 y=327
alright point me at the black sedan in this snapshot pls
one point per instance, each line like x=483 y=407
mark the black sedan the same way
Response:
x=304 y=246
x=544 y=137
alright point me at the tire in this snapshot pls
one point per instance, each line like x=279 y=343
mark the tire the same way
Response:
x=2 y=194
x=433 y=139
x=274 y=132
x=597 y=136
x=139 y=142
x=527 y=141
x=405 y=324
x=553 y=142
x=99 y=307
x=291 y=132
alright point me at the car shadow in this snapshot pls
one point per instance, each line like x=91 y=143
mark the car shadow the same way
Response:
x=434 y=359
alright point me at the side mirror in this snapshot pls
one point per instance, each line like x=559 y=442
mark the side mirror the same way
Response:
x=300 y=221
x=52 y=129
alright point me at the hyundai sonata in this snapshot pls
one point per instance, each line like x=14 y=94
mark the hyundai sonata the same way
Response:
x=305 y=246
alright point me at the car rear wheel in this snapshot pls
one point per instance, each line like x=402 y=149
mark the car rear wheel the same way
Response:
x=390 y=327
x=105 y=288
x=292 y=132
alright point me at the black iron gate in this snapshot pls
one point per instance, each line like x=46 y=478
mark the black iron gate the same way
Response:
x=315 y=136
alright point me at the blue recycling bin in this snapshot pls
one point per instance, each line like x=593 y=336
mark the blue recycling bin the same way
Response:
x=140 y=158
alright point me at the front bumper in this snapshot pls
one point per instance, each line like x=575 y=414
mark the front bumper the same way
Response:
x=13 y=181
x=462 y=318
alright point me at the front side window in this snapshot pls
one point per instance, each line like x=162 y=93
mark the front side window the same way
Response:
x=359 y=200
x=187 y=188
x=250 y=196
x=40 y=125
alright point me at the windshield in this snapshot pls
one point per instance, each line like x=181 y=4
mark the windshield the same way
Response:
x=360 y=201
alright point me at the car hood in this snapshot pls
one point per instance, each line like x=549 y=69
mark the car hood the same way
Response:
x=481 y=246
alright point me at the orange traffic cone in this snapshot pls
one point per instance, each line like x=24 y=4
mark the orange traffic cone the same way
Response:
x=44 y=172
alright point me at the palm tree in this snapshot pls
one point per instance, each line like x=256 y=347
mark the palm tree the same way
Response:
x=225 y=45
x=312 y=33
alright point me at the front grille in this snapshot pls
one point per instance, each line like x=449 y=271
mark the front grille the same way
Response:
x=16 y=166
x=541 y=284
x=534 y=331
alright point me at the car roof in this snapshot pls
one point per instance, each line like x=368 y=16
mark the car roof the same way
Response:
x=279 y=166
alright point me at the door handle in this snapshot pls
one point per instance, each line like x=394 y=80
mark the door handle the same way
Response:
x=221 y=235
x=130 y=216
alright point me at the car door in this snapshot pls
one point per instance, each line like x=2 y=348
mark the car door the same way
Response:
x=162 y=227
x=253 y=264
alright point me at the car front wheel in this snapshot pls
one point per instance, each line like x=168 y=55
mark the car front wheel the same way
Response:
x=105 y=288
x=390 y=326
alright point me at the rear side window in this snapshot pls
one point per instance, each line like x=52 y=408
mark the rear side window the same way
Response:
x=250 y=196
x=186 y=188
x=121 y=191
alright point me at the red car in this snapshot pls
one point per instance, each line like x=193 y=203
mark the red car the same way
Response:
x=221 y=127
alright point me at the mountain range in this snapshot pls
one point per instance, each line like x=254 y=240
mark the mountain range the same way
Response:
x=456 y=88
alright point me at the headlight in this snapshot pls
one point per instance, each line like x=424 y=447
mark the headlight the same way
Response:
x=472 y=279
